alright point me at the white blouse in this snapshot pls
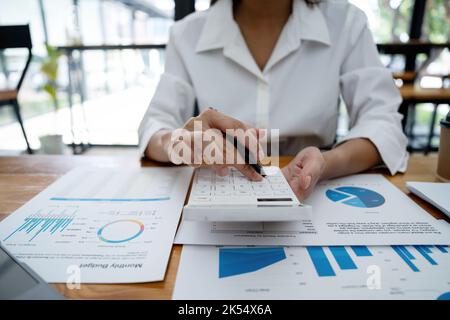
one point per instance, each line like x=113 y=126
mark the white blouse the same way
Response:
x=323 y=53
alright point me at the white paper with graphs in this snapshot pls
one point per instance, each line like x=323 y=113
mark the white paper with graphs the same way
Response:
x=363 y=209
x=100 y=225
x=336 y=272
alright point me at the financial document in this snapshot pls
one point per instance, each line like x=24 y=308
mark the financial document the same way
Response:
x=337 y=272
x=436 y=193
x=363 y=209
x=100 y=225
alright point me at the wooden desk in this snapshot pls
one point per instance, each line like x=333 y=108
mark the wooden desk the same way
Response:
x=21 y=178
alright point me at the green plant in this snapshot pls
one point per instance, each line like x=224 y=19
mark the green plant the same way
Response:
x=394 y=17
x=49 y=69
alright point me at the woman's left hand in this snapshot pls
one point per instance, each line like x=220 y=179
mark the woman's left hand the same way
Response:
x=304 y=171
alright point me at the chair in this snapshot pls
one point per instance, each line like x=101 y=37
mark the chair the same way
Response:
x=16 y=37
x=405 y=76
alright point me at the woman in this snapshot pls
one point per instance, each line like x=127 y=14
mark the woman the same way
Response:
x=281 y=64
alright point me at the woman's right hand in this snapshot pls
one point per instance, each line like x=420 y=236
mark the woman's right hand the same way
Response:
x=202 y=142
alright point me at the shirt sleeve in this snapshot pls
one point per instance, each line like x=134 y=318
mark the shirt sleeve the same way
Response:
x=174 y=98
x=372 y=99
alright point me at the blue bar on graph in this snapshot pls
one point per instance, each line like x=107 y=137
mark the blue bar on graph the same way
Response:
x=37 y=226
x=361 y=251
x=442 y=249
x=425 y=254
x=320 y=262
x=47 y=224
x=36 y=223
x=406 y=252
x=235 y=261
x=63 y=227
x=427 y=249
x=56 y=225
x=342 y=258
x=27 y=222
x=36 y=234
x=405 y=258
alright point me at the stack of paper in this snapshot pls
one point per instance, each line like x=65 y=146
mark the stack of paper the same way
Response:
x=325 y=256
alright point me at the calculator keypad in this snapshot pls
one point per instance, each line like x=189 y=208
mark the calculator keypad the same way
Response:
x=209 y=188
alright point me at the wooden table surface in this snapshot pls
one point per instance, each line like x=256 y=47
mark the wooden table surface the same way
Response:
x=21 y=178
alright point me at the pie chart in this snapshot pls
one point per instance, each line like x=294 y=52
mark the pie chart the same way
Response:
x=355 y=197
x=444 y=296
x=120 y=231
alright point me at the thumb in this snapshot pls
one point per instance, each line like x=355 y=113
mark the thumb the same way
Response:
x=305 y=181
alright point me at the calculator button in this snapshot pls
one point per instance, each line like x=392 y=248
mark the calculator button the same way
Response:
x=202 y=192
x=236 y=188
x=278 y=186
x=201 y=199
x=243 y=192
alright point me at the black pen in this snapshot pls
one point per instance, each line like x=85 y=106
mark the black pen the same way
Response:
x=248 y=156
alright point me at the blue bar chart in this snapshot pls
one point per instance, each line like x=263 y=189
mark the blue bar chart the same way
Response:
x=340 y=254
x=34 y=226
x=235 y=261
x=421 y=251
x=314 y=272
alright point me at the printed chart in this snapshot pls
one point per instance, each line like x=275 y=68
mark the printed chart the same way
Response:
x=314 y=272
x=355 y=197
x=63 y=225
x=120 y=231
x=52 y=221
x=111 y=225
x=363 y=209
x=235 y=261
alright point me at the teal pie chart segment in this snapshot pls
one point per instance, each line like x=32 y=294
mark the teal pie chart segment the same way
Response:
x=355 y=202
x=355 y=197
x=333 y=195
x=444 y=296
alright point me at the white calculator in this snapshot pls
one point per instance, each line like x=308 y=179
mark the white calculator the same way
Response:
x=235 y=198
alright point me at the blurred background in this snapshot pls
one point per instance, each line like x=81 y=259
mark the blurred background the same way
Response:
x=95 y=65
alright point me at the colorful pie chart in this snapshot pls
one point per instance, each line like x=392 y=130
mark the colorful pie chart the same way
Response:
x=120 y=231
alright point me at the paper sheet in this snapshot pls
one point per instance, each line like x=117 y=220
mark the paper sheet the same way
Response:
x=362 y=209
x=379 y=272
x=436 y=193
x=103 y=225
